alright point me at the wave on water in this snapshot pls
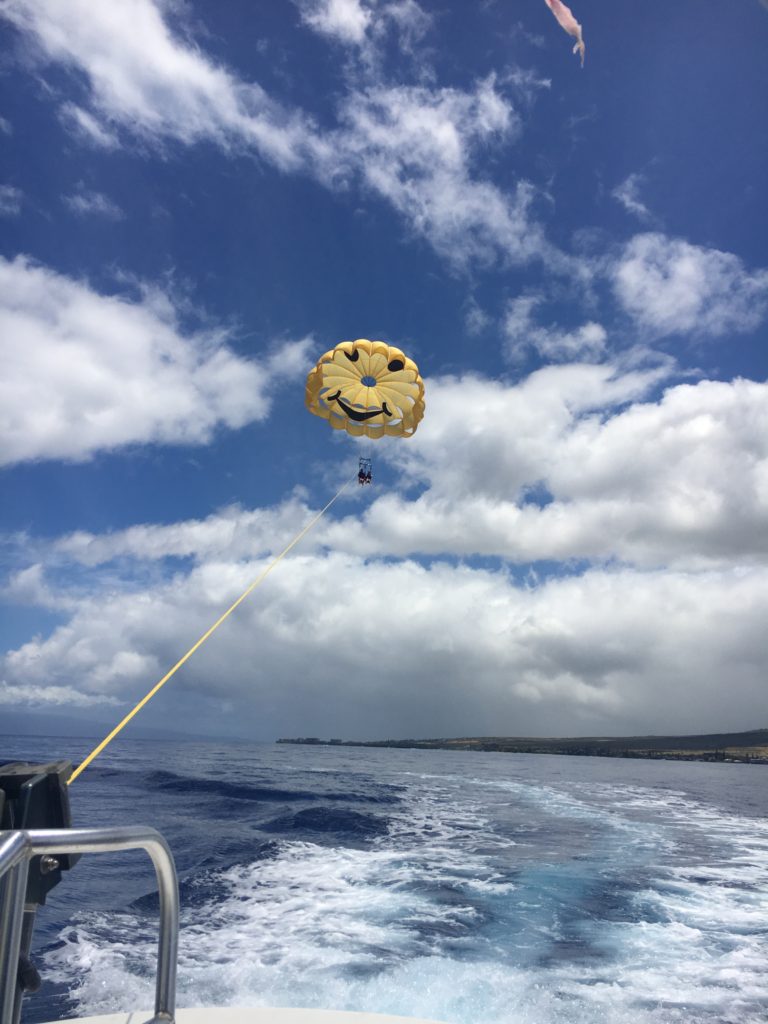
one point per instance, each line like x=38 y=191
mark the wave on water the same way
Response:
x=470 y=899
x=173 y=783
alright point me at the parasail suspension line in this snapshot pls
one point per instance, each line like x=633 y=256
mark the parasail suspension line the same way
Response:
x=145 y=700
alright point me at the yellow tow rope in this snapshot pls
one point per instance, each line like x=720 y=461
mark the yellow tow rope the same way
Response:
x=144 y=700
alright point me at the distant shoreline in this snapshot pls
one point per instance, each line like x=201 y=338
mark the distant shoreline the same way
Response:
x=730 y=748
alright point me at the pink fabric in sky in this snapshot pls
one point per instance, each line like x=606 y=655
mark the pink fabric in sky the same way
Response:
x=569 y=23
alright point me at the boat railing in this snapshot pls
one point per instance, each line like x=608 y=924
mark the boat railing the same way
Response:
x=17 y=848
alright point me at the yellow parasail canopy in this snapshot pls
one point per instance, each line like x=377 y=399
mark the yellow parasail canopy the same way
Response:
x=367 y=388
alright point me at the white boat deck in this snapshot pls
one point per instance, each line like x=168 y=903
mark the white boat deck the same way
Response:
x=251 y=1015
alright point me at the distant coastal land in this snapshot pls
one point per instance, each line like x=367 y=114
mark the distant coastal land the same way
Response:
x=746 y=747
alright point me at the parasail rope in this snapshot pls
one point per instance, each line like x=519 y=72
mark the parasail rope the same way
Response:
x=145 y=700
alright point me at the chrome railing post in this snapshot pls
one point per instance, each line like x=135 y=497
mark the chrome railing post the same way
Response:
x=19 y=847
x=14 y=866
x=110 y=840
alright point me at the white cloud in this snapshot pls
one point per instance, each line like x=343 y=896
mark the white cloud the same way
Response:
x=86 y=372
x=522 y=334
x=628 y=194
x=29 y=587
x=575 y=462
x=5 y=126
x=526 y=82
x=143 y=79
x=670 y=286
x=345 y=647
x=231 y=533
x=80 y=122
x=84 y=202
x=10 y=200
x=476 y=320
x=43 y=696
x=25 y=695
x=410 y=18
x=414 y=147
x=547 y=470
x=364 y=24
x=345 y=20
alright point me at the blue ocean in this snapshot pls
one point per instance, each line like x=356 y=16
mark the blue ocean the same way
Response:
x=470 y=888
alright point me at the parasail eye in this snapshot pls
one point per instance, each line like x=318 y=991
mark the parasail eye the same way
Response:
x=395 y=364
x=353 y=356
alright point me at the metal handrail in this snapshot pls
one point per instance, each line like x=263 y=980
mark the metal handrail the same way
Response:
x=16 y=850
x=14 y=864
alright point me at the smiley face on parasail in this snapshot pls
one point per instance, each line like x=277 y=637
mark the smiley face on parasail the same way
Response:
x=367 y=388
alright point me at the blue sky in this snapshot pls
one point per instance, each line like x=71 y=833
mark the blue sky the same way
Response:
x=197 y=200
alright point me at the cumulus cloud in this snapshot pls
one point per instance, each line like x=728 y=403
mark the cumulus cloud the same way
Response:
x=349 y=647
x=10 y=200
x=670 y=286
x=231 y=533
x=85 y=201
x=86 y=372
x=664 y=497
x=552 y=344
x=574 y=463
x=548 y=470
x=28 y=586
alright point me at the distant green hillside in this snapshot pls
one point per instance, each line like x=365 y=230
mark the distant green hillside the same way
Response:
x=732 y=746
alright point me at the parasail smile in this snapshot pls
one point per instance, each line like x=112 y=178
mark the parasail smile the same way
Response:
x=357 y=414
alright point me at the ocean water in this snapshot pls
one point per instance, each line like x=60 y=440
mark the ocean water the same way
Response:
x=462 y=887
